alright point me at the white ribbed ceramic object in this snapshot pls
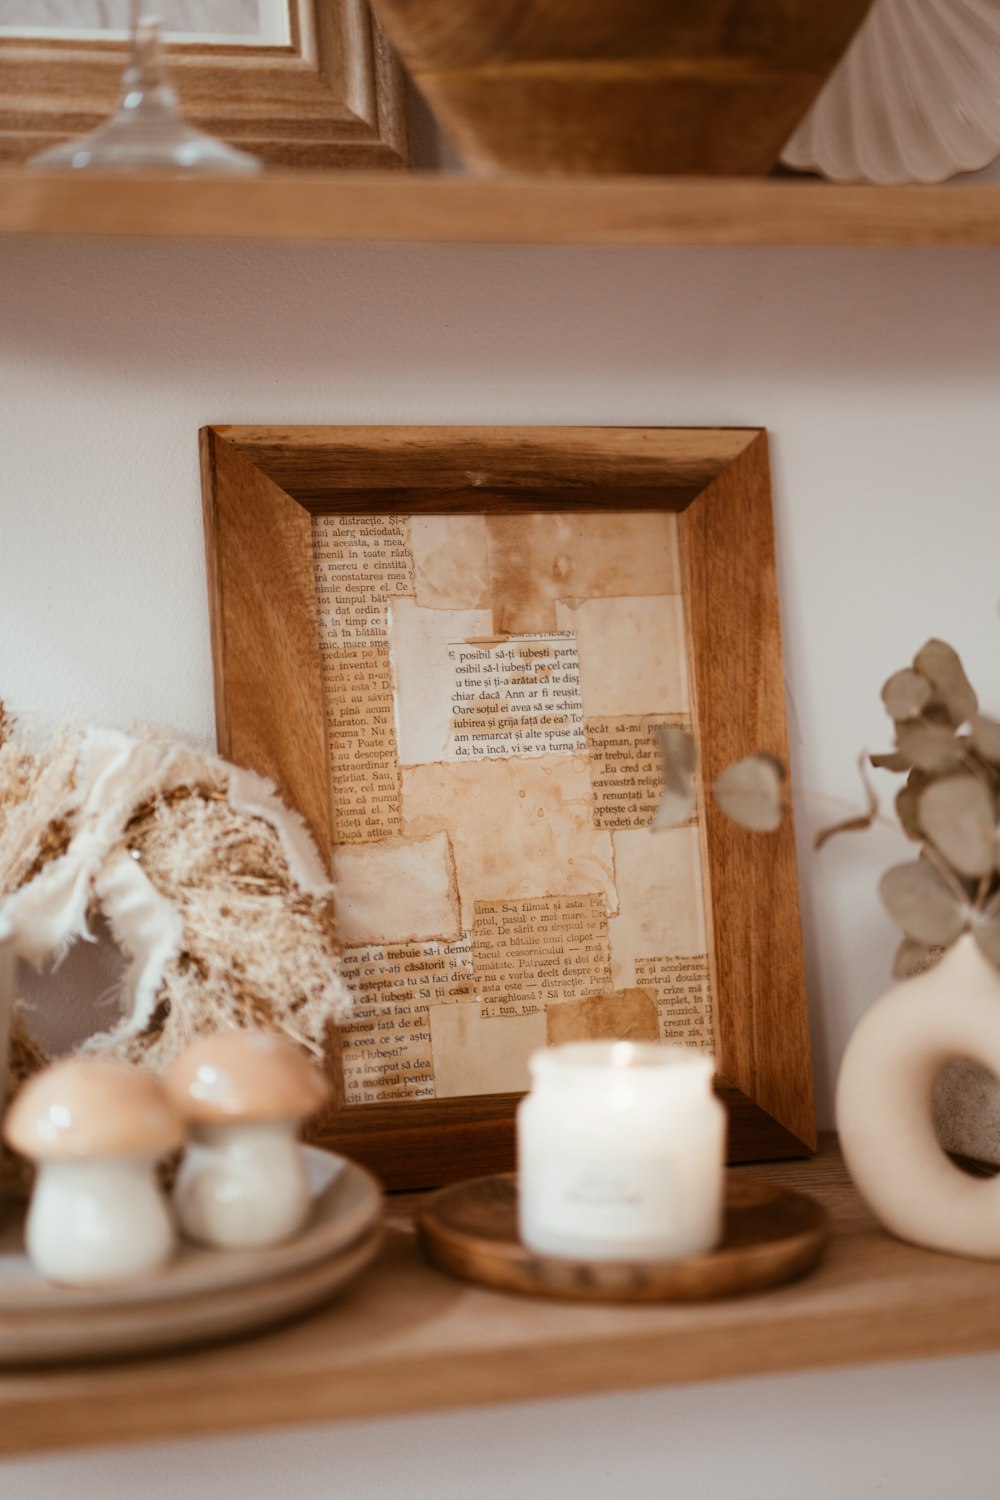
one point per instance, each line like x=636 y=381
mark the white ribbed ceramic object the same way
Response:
x=916 y=97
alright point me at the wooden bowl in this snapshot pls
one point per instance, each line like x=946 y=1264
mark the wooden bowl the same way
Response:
x=771 y=1235
x=585 y=86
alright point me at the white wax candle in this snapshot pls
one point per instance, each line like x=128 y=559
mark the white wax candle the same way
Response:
x=620 y=1152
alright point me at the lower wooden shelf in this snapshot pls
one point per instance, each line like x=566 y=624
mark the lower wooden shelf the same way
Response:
x=430 y=208
x=406 y=1339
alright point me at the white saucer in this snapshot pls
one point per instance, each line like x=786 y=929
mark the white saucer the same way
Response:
x=201 y=1295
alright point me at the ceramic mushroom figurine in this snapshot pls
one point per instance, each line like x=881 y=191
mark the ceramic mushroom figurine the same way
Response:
x=95 y=1130
x=244 y=1095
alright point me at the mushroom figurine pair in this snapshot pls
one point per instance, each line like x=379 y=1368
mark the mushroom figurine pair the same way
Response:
x=96 y=1130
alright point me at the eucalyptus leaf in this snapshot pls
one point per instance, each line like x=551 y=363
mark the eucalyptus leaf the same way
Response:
x=985 y=738
x=940 y=664
x=921 y=902
x=750 y=792
x=987 y=936
x=906 y=694
x=677 y=748
x=891 y=760
x=914 y=958
x=908 y=812
x=675 y=808
x=679 y=757
x=930 y=747
x=958 y=816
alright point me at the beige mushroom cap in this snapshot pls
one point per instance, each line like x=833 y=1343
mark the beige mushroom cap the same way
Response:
x=244 y=1075
x=92 y=1107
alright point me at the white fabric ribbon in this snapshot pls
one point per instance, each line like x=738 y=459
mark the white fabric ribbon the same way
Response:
x=115 y=775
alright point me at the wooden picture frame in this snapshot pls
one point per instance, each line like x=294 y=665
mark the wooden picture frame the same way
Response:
x=334 y=97
x=263 y=486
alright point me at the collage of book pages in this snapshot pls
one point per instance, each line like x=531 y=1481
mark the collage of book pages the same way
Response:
x=492 y=684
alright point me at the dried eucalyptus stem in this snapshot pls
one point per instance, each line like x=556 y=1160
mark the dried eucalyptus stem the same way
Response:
x=751 y=792
x=950 y=754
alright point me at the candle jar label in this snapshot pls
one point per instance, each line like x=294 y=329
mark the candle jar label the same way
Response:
x=607 y=1200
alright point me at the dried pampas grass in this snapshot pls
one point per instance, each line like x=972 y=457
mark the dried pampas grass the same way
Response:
x=210 y=886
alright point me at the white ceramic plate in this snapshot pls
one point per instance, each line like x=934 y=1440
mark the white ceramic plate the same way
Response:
x=916 y=97
x=203 y=1294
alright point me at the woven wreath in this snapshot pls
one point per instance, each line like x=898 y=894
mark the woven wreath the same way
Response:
x=211 y=887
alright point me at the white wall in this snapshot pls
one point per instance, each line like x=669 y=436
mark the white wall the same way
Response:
x=877 y=374
x=917 y=1432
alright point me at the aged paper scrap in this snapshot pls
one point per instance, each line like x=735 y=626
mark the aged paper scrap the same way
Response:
x=539 y=557
x=476 y=1056
x=361 y=736
x=425 y=646
x=662 y=907
x=519 y=698
x=621 y=1016
x=386 y=1045
x=461 y=696
x=626 y=767
x=451 y=566
x=517 y=827
x=529 y=952
x=632 y=654
x=398 y=891
x=683 y=997
x=360 y=563
x=492 y=686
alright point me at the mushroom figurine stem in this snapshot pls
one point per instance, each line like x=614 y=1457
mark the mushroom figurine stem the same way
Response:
x=244 y=1094
x=97 y=1221
x=242 y=1185
x=95 y=1130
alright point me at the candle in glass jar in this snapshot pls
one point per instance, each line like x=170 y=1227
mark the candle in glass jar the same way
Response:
x=620 y=1152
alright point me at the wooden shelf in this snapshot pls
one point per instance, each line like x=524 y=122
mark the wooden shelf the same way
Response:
x=407 y=1339
x=340 y=207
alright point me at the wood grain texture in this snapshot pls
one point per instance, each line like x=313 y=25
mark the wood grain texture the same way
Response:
x=334 y=98
x=738 y=700
x=341 y=207
x=620 y=85
x=407 y=1339
x=427 y=1142
x=470 y=468
x=262 y=486
x=265 y=643
x=772 y=1234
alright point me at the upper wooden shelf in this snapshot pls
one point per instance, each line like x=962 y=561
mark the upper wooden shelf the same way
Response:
x=407 y=1339
x=339 y=207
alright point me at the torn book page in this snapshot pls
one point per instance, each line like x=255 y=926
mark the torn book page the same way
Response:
x=681 y=985
x=544 y=948
x=386 y=1044
x=462 y=696
x=626 y=767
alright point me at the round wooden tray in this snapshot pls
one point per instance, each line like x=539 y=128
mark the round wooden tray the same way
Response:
x=771 y=1235
x=203 y=1294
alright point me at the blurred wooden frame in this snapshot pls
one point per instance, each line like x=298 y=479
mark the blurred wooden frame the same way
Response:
x=263 y=485
x=334 y=97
